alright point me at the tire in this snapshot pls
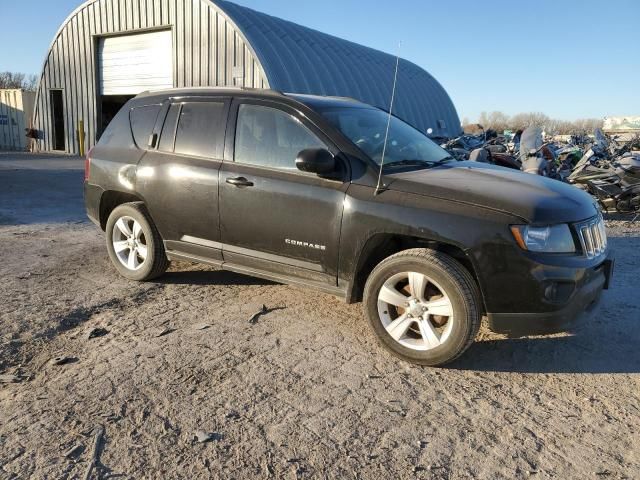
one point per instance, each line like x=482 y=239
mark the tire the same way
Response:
x=143 y=257
x=433 y=327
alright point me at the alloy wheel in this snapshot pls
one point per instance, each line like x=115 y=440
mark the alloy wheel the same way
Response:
x=130 y=243
x=415 y=311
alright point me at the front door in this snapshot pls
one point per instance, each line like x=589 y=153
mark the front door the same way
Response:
x=272 y=216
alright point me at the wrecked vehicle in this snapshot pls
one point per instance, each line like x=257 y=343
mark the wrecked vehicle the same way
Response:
x=610 y=172
x=311 y=191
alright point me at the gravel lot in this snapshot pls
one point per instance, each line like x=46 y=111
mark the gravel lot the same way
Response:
x=304 y=392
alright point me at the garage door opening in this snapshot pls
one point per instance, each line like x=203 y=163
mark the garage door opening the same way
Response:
x=110 y=105
x=57 y=120
x=129 y=65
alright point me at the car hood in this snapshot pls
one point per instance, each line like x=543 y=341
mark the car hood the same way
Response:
x=534 y=198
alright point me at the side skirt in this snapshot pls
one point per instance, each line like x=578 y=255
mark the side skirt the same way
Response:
x=252 y=272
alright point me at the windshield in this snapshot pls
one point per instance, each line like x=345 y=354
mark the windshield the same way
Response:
x=366 y=128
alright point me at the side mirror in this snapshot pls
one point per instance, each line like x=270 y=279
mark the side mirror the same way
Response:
x=316 y=160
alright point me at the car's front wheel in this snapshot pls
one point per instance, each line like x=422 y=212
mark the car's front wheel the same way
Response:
x=423 y=305
x=134 y=244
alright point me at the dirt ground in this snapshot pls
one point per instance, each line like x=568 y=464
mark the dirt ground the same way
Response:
x=303 y=392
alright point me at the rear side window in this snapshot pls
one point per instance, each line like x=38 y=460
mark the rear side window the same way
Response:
x=143 y=119
x=201 y=127
x=118 y=133
x=271 y=138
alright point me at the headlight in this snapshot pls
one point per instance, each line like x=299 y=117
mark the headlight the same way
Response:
x=551 y=239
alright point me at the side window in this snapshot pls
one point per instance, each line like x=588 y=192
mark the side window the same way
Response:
x=201 y=129
x=271 y=138
x=143 y=119
x=167 y=137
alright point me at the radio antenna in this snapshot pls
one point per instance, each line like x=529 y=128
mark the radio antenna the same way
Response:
x=386 y=135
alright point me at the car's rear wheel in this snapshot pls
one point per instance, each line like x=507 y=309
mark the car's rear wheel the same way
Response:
x=134 y=244
x=423 y=305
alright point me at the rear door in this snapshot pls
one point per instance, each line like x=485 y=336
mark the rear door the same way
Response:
x=178 y=177
x=273 y=216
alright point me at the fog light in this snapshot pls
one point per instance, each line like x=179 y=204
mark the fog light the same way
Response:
x=558 y=292
x=551 y=291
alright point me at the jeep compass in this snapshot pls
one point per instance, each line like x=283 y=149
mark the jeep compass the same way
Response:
x=314 y=191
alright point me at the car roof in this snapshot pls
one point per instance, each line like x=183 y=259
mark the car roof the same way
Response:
x=190 y=91
x=312 y=101
x=318 y=101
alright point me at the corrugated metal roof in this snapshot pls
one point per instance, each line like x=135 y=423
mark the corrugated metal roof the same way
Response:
x=298 y=59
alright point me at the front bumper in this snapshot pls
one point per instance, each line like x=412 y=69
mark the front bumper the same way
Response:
x=584 y=296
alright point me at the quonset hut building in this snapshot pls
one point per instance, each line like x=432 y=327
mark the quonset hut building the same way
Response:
x=108 y=51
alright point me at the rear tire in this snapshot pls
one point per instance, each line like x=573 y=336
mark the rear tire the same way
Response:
x=423 y=306
x=134 y=243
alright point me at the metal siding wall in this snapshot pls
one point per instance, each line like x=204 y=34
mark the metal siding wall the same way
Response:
x=221 y=53
x=301 y=60
x=231 y=50
x=91 y=115
x=205 y=45
x=195 y=45
x=142 y=13
x=49 y=80
x=187 y=50
x=71 y=99
x=66 y=85
x=206 y=48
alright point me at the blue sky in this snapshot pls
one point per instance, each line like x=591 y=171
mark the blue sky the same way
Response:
x=566 y=58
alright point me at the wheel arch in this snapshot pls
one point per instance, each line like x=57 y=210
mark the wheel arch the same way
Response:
x=110 y=200
x=382 y=245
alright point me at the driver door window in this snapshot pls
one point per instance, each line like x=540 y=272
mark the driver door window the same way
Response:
x=271 y=138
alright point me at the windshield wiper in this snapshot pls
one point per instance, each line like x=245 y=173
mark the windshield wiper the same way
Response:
x=400 y=163
x=445 y=160
x=420 y=163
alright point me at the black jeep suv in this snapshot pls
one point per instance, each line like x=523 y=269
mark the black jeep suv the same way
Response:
x=289 y=188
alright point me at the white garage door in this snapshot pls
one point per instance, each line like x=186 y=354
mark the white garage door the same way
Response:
x=131 y=64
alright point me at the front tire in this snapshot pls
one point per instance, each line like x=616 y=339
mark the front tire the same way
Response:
x=423 y=305
x=134 y=244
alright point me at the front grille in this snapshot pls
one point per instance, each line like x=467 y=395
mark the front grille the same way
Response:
x=593 y=237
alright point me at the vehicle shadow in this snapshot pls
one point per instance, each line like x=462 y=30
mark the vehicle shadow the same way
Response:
x=568 y=354
x=210 y=277
x=603 y=341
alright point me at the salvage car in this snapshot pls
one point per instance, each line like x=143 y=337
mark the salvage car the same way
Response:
x=342 y=197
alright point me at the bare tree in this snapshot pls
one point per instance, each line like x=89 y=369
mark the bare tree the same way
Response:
x=564 y=127
x=472 y=128
x=588 y=124
x=500 y=121
x=30 y=83
x=495 y=120
x=530 y=119
x=18 y=80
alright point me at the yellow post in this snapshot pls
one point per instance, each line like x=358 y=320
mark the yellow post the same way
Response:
x=81 y=137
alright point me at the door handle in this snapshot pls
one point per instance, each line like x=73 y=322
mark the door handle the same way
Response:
x=239 y=182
